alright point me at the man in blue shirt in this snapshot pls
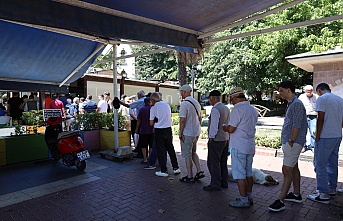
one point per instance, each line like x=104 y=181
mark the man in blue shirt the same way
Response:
x=293 y=138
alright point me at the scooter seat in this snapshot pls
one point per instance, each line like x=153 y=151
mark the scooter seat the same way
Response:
x=66 y=134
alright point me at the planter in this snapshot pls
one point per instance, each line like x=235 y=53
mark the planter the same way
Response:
x=175 y=114
x=2 y=152
x=25 y=148
x=30 y=129
x=91 y=139
x=107 y=139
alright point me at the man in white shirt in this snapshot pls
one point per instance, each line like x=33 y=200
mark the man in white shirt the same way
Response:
x=189 y=131
x=217 y=143
x=160 y=118
x=309 y=100
x=102 y=104
x=242 y=129
x=328 y=140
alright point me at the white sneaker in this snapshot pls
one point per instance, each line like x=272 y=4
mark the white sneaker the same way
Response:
x=319 y=197
x=177 y=171
x=159 y=173
x=340 y=190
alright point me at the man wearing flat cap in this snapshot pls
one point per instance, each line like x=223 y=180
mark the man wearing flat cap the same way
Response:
x=242 y=128
x=217 y=143
x=189 y=131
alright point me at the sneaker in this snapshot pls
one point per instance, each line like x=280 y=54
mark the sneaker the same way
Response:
x=320 y=197
x=332 y=192
x=148 y=167
x=177 y=171
x=292 y=198
x=339 y=190
x=277 y=206
x=162 y=174
x=239 y=203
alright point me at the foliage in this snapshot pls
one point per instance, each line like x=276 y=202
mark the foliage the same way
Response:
x=258 y=63
x=175 y=130
x=18 y=129
x=91 y=121
x=160 y=66
x=175 y=120
x=174 y=108
x=265 y=141
x=33 y=117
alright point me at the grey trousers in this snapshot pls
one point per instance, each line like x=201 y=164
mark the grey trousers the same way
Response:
x=217 y=162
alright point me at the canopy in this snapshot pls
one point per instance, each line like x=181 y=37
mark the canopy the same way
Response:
x=40 y=53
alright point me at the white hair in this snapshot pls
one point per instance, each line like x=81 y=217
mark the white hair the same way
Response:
x=141 y=93
x=69 y=101
x=308 y=87
x=76 y=99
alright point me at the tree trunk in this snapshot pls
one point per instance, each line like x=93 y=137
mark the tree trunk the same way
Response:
x=182 y=72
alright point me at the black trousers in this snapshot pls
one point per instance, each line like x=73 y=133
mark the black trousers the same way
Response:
x=217 y=162
x=164 y=142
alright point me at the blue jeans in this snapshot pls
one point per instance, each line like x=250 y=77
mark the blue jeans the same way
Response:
x=311 y=124
x=326 y=163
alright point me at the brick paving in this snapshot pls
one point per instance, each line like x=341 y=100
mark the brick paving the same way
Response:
x=124 y=191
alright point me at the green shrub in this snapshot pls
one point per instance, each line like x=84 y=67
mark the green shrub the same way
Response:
x=175 y=130
x=91 y=121
x=175 y=120
x=33 y=117
x=268 y=141
x=203 y=133
x=174 y=108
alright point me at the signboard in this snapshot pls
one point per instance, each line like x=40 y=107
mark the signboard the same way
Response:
x=51 y=113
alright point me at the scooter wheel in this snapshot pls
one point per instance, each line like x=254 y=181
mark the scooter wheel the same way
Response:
x=81 y=165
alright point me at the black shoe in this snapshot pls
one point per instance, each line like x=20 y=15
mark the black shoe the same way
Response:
x=210 y=188
x=277 y=206
x=292 y=198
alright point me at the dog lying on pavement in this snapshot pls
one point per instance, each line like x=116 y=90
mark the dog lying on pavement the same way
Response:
x=259 y=177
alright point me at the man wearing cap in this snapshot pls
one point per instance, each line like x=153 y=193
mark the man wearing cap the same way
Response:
x=242 y=128
x=217 y=143
x=189 y=131
x=293 y=138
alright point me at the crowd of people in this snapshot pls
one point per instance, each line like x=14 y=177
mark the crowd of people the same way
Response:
x=321 y=114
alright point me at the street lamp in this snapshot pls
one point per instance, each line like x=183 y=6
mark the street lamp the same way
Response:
x=193 y=72
x=123 y=76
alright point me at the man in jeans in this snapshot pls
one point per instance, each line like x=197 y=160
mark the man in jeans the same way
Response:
x=160 y=118
x=189 y=131
x=293 y=138
x=328 y=140
x=309 y=100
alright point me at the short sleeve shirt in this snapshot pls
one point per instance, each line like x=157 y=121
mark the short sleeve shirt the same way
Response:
x=143 y=116
x=162 y=112
x=332 y=106
x=187 y=110
x=102 y=104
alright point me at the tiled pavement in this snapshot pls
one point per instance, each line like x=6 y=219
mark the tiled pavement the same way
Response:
x=110 y=190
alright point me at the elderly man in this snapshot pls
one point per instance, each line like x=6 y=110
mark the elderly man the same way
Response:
x=309 y=100
x=328 y=140
x=189 y=131
x=242 y=129
x=293 y=137
x=89 y=106
x=217 y=143
x=160 y=118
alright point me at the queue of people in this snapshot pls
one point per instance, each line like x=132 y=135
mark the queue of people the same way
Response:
x=236 y=130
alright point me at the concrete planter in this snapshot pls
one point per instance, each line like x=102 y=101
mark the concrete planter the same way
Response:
x=107 y=139
x=91 y=139
x=23 y=148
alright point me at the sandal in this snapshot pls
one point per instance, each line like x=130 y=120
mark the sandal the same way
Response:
x=186 y=179
x=199 y=175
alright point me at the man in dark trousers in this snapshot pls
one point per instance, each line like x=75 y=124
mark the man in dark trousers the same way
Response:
x=217 y=143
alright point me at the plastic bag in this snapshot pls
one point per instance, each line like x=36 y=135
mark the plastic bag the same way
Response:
x=136 y=139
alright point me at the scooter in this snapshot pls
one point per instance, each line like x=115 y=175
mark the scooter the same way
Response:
x=67 y=145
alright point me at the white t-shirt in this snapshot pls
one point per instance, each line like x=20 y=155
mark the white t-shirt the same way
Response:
x=332 y=105
x=161 y=110
x=309 y=103
x=102 y=104
x=187 y=110
x=243 y=117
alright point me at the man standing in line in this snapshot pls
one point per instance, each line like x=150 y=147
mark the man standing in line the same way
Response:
x=293 y=137
x=328 y=140
x=242 y=129
x=189 y=131
x=309 y=100
x=109 y=102
x=217 y=143
x=160 y=118
x=102 y=104
x=89 y=106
